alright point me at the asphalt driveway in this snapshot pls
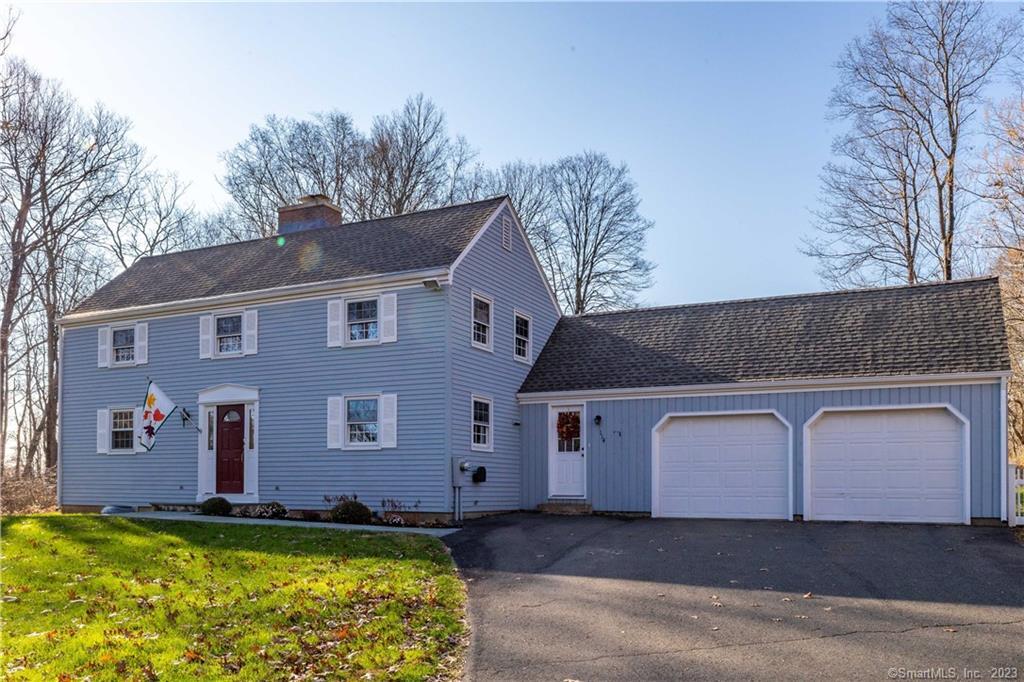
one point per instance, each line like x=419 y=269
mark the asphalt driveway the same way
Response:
x=599 y=598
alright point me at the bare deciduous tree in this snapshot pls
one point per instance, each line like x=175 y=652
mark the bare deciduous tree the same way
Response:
x=287 y=158
x=529 y=187
x=876 y=212
x=1004 y=197
x=918 y=81
x=596 y=256
x=148 y=218
x=60 y=167
x=406 y=164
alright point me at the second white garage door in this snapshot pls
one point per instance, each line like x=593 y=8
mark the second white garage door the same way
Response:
x=904 y=465
x=722 y=466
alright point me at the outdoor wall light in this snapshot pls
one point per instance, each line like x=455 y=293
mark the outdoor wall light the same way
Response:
x=597 y=420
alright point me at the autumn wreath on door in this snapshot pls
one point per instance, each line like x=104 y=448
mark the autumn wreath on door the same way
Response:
x=568 y=426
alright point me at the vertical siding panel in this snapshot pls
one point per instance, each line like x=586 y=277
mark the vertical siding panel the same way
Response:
x=983 y=438
x=622 y=474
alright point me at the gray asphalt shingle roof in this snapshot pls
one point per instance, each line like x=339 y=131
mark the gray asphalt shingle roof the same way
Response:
x=413 y=241
x=925 y=329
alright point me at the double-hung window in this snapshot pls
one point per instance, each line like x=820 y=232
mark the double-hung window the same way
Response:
x=361 y=321
x=362 y=423
x=122 y=345
x=522 y=337
x=482 y=307
x=482 y=414
x=367 y=421
x=122 y=430
x=228 y=334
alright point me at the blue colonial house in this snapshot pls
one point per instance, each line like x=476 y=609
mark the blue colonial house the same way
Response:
x=372 y=358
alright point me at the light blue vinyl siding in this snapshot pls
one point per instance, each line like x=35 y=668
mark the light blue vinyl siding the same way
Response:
x=512 y=281
x=295 y=372
x=619 y=453
x=432 y=368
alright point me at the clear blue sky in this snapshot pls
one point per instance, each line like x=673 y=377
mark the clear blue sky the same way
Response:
x=719 y=109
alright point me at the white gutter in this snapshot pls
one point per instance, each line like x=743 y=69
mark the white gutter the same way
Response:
x=273 y=294
x=779 y=386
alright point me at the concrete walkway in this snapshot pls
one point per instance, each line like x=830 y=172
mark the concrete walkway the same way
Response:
x=189 y=516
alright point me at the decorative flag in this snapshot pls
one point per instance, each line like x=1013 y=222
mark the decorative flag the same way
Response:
x=157 y=408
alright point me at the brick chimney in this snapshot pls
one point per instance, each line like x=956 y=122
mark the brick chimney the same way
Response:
x=313 y=211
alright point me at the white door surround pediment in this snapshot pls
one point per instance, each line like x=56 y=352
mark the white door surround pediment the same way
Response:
x=228 y=393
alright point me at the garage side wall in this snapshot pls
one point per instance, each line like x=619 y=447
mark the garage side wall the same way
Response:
x=619 y=452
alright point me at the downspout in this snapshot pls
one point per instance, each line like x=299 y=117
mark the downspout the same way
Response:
x=448 y=379
x=60 y=417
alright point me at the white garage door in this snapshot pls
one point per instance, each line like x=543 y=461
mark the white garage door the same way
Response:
x=895 y=465
x=722 y=466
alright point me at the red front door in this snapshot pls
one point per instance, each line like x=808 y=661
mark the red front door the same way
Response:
x=230 y=449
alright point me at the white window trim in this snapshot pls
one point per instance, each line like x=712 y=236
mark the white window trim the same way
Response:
x=808 y=446
x=208 y=399
x=489 y=346
x=345 y=340
x=528 y=360
x=110 y=429
x=135 y=345
x=345 y=444
x=552 y=446
x=215 y=351
x=489 y=447
x=669 y=416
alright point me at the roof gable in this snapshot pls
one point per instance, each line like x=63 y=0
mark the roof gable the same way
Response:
x=954 y=327
x=409 y=242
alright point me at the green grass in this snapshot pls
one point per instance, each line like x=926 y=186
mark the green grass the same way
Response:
x=116 y=599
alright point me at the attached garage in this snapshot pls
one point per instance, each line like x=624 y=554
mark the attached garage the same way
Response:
x=907 y=464
x=729 y=466
x=896 y=399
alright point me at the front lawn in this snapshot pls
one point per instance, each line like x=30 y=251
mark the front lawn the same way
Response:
x=103 y=598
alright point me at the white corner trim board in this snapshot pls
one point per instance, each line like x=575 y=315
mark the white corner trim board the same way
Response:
x=657 y=429
x=809 y=512
x=1005 y=494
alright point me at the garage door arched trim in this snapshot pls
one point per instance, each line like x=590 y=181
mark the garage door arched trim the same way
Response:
x=669 y=416
x=808 y=449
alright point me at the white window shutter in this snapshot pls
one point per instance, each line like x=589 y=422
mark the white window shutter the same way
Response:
x=334 y=325
x=389 y=420
x=102 y=431
x=141 y=343
x=205 y=336
x=334 y=423
x=388 y=318
x=250 y=332
x=103 y=347
x=137 y=423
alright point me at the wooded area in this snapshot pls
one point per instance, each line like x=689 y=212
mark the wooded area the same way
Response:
x=82 y=201
x=927 y=183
